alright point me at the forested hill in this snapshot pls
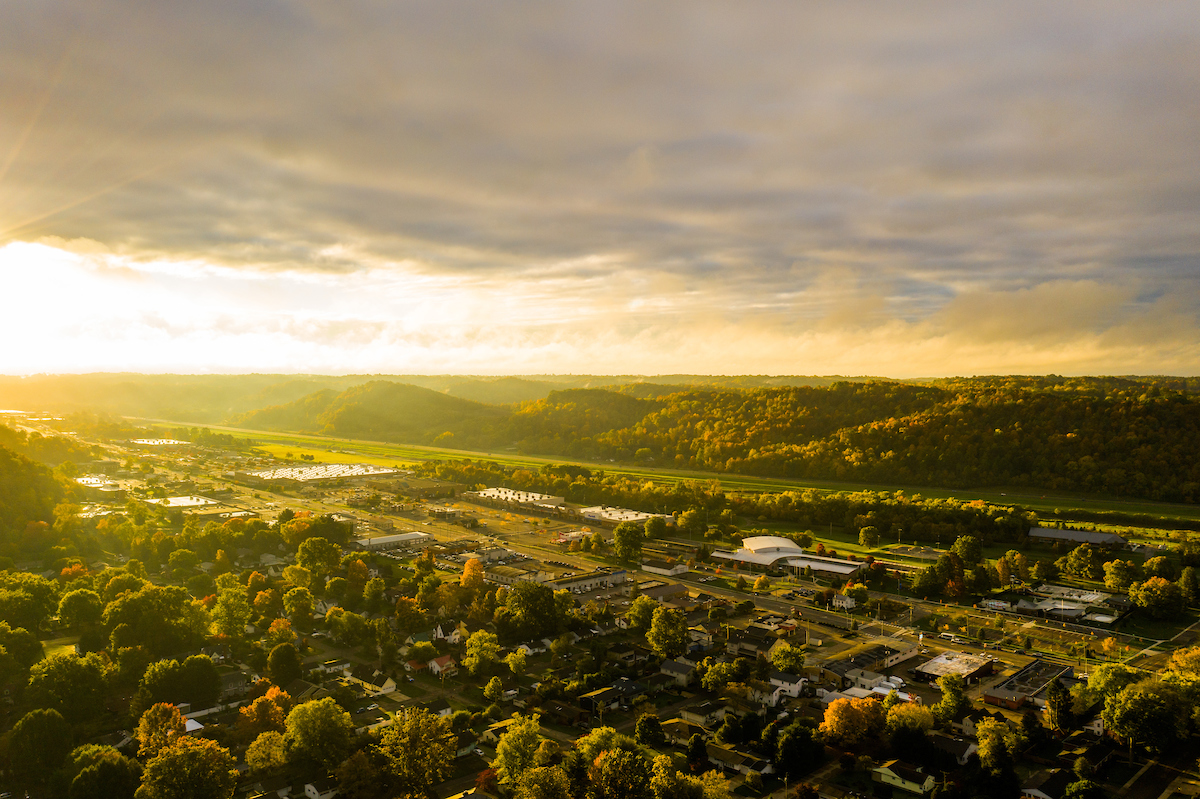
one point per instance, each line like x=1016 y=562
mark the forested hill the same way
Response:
x=1114 y=436
x=384 y=411
x=28 y=494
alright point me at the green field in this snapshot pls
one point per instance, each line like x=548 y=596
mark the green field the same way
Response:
x=384 y=453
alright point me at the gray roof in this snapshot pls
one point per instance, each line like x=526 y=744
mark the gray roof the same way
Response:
x=1082 y=536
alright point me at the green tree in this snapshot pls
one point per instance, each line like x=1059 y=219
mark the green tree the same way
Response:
x=516 y=749
x=298 y=605
x=493 y=690
x=927 y=582
x=1189 y=586
x=283 y=665
x=72 y=685
x=1159 y=597
x=641 y=613
x=192 y=768
x=1146 y=715
x=1084 y=561
x=38 y=744
x=697 y=751
x=627 y=542
x=787 y=658
x=267 y=752
x=109 y=775
x=231 y=613
x=717 y=676
x=1083 y=789
x=1058 y=707
x=621 y=774
x=655 y=527
x=953 y=697
x=649 y=731
x=319 y=731
x=534 y=610
x=547 y=782
x=80 y=608
x=419 y=748
x=482 y=652
x=668 y=634
x=868 y=537
x=320 y=556
x=159 y=727
x=969 y=549
x=1120 y=574
x=799 y=749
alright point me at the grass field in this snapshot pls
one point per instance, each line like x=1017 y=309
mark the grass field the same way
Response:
x=321 y=448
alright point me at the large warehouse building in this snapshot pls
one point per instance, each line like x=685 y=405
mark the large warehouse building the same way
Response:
x=767 y=552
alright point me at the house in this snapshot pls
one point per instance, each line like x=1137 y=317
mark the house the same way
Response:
x=664 y=568
x=899 y=774
x=279 y=785
x=438 y=707
x=419 y=637
x=601 y=699
x=700 y=636
x=415 y=666
x=680 y=673
x=860 y=678
x=465 y=744
x=789 y=684
x=452 y=632
x=665 y=592
x=680 y=731
x=1049 y=784
x=968 y=719
x=445 y=665
x=959 y=748
x=563 y=713
x=843 y=602
x=621 y=654
x=742 y=762
x=763 y=692
x=233 y=684
x=324 y=788
x=705 y=714
x=302 y=691
x=493 y=733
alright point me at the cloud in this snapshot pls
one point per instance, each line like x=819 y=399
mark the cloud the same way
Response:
x=919 y=182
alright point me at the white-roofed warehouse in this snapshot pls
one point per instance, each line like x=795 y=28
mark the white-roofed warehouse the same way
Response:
x=765 y=552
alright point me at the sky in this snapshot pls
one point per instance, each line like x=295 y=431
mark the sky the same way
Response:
x=906 y=189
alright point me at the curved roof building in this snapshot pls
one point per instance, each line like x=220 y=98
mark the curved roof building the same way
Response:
x=776 y=552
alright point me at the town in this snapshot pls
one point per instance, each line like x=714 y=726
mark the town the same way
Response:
x=292 y=626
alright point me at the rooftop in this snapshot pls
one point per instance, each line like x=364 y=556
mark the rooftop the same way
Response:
x=954 y=663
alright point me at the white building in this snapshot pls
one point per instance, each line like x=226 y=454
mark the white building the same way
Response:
x=397 y=541
x=765 y=552
x=519 y=497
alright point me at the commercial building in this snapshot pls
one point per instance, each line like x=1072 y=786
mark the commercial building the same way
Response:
x=317 y=473
x=397 y=541
x=514 y=497
x=603 y=514
x=1097 y=538
x=770 y=552
x=1027 y=685
x=970 y=667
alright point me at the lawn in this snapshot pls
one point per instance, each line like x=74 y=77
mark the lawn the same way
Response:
x=59 y=646
x=1156 y=629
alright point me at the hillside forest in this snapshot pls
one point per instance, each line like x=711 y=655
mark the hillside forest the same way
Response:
x=1132 y=437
